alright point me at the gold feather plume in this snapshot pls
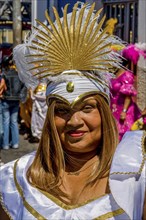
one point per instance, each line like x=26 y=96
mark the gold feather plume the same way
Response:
x=80 y=44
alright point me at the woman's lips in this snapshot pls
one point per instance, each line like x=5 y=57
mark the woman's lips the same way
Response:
x=76 y=133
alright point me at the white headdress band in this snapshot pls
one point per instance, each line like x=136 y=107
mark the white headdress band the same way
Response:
x=72 y=84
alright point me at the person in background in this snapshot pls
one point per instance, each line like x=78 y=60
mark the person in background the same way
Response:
x=123 y=106
x=2 y=80
x=39 y=110
x=78 y=171
x=2 y=89
x=15 y=92
x=2 y=85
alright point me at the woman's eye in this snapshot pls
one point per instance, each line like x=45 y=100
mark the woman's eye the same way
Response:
x=61 y=111
x=88 y=108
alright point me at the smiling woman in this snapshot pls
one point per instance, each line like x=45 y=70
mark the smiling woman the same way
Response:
x=79 y=170
x=80 y=124
x=74 y=149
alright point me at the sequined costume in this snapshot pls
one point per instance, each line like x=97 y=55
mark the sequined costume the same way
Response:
x=123 y=86
x=28 y=202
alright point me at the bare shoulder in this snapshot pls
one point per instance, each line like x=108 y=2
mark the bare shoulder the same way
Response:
x=3 y=214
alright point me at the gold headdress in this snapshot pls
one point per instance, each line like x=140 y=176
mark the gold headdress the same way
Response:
x=79 y=45
x=74 y=44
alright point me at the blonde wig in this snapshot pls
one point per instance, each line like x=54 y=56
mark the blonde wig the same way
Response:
x=45 y=171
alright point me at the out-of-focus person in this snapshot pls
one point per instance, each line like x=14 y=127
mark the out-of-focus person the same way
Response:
x=39 y=110
x=2 y=89
x=15 y=92
x=123 y=107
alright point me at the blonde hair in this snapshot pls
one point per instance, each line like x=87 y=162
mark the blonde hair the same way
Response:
x=44 y=173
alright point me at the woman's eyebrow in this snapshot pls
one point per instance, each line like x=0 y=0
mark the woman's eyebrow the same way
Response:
x=61 y=105
x=87 y=101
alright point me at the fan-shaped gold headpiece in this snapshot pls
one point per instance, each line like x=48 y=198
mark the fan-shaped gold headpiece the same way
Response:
x=80 y=44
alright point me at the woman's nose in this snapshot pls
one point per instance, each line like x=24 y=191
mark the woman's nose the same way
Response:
x=75 y=119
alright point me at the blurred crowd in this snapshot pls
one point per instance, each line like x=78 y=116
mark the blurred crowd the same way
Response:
x=22 y=111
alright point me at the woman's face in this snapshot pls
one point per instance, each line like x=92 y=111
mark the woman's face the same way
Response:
x=79 y=128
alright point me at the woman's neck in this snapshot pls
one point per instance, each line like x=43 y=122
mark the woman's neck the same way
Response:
x=77 y=161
